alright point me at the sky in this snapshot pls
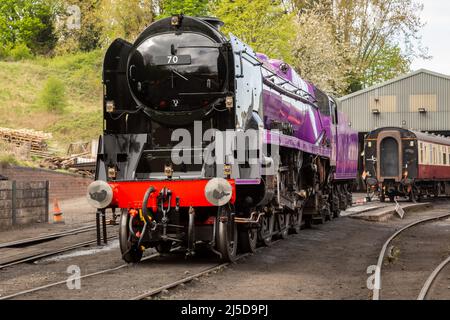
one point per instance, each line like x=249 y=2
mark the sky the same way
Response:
x=435 y=36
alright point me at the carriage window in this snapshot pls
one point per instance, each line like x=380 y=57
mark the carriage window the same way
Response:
x=438 y=150
x=445 y=158
x=425 y=154
x=431 y=154
x=435 y=157
x=421 y=153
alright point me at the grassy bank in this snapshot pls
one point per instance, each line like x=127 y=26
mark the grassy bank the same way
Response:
x=21 y=87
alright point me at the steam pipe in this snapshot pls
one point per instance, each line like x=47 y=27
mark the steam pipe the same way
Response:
x=145 y=213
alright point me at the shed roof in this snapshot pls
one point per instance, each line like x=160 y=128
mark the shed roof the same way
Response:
x=403 y=77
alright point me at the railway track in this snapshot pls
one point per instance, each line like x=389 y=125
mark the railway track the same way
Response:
x=143 y=296
x=150 y=294
x=173 y=285
x=377 y=289
x=431 y=279
x=35 y=257
x=58 y=283
x=48 y=237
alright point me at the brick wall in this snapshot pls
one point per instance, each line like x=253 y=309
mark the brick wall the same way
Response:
x=62 y=186
x=23 y=203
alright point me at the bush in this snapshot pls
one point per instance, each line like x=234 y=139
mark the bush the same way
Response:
x=53 y=96
x=4 y=52
x=16 y=52
x=20 y=52
x=8 y=160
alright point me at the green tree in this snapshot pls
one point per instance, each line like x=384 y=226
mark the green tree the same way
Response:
x=263 y=24
x=366 y=35
x=388 y=63
x=28 y=22
x=125 y=18
x=79 y=30
x=187 y=7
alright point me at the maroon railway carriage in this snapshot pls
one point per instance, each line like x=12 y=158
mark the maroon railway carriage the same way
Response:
x=400 y=162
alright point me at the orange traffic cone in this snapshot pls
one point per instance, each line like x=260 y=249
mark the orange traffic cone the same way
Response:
x=57 y=213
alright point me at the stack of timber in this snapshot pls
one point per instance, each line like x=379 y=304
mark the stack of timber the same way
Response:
x=66 y=163
x=36 y=141
x=57 y=162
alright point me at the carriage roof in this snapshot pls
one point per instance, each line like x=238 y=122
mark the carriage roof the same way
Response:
x=421 y=136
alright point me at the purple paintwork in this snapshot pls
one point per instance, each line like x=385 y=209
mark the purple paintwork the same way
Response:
x=312 y=129
x=248 y=181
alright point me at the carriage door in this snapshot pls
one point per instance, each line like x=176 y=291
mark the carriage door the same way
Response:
x=389 y=157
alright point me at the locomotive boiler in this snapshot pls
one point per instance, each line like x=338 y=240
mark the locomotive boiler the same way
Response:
x=406 y=163
x=182 y=79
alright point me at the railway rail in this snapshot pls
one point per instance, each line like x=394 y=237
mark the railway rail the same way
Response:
x=146 y=295
x=431 y=279
x=58 y=283
x=35 y=257
x=48 y=237
x=173 y=285
x=377 y=289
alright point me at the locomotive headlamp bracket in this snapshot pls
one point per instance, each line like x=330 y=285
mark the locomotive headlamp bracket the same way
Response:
x=110 y=106
x=229 y=102
x=176 y=20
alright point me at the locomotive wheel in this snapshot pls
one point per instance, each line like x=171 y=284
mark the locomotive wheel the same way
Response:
x=336 y=211
x=248 y=238
x=266 y=230
x=283 y=223
x=329 y=216
x=308 y=221
x=164 y=247
x=342 y=198
x=296 y=222
x=227 y=235
x=349 y=196
x=319 y=219
x=130 y=252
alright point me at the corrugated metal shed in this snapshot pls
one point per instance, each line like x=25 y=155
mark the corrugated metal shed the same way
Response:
x=419 y=101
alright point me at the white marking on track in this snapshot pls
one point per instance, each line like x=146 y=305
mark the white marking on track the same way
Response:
x=113 y=245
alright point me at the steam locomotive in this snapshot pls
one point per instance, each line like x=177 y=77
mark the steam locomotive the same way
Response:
x=183 y=78
x=406 y=163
